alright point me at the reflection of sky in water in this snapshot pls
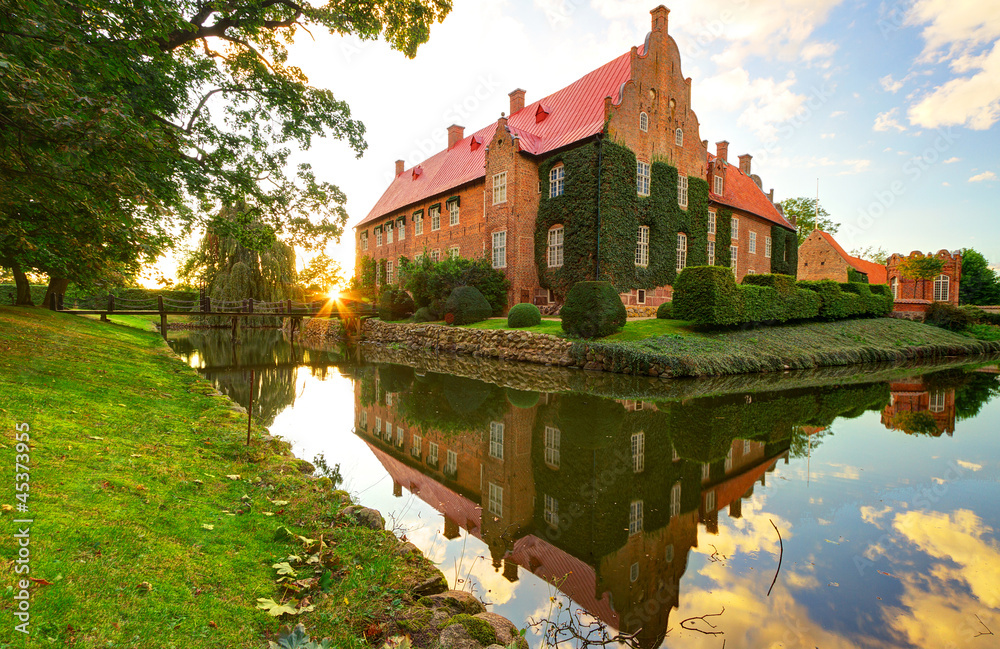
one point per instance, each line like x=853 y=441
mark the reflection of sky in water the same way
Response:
x=890 y=540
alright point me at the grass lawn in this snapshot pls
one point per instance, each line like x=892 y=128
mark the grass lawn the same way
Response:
x=154 y=525
x=633 y=329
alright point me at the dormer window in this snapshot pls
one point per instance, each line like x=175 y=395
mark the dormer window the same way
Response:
x=417 y=171
x=679 y=137
x=475 y=142
x=541 y=112
x=718 y=185
x=643 y=122
x=557 y=181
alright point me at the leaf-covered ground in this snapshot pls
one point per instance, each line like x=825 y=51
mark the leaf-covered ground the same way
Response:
x=154 y=525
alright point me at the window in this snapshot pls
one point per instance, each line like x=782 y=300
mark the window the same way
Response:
x=711 y=253
x=638 y=452
x=435 y=214
x=556 y=246
x=388 y=270
x=378 y=237
x=642 y=178
x=451 y=463
x=751 y=271
x=635 y=517
x=453 y=213
x=734 y=225
x=634 y=572
x=767 y=247
x=937 y=401
x=453 y=252
x=941 y=288
x=364 y=419
x=894 y=285
x=718 y=185
x=418 y=224
x=552 y=440
x=674 y=455
x=669 y=554
x=734 y=254
x=496 y=500
x=432 y=453
x=378 y=427
x=499 y=249
x=388 y=399
x=496 y=440
x=710 y=501
x=388 y=232
x=640 y=296
x=706 y=471
x=682 y=251
x=642 y=247
x=401 y=234
x=711 y=222
x=729 y=460
x=557 y=178
x=682 y=191
x=753 y=243
x=388 y=431
x=500 y=188
x=415 y=446
x=675 y=500
x=364 y=241
x=436 y=255
x=551 y=511
x=643 y=122
x=679 y=137
x=746 y=447
x=399 y=436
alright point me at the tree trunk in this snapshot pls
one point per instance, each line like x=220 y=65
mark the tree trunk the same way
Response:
x=23 y=287
x=56 y=286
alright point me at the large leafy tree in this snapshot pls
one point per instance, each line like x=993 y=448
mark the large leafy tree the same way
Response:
x=803 y=211
x=979 y=284
x=921 y=267
x=142 y=117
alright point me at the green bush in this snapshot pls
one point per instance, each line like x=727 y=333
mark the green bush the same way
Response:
x=980 y=316
x=523 y=315
x=708 y=296
x=665 y=311
x=424 y=314
x=394 y=304
x=871 y=302
x=466 y=305
x=784 y=284
x=833 y=304
x=593 y=310
x=949 y=316
x=431 y=283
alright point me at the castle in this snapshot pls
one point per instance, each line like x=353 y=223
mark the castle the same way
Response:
x=606 y=178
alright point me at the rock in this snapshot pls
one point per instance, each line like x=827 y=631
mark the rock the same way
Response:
x=505 y=629
x=305 y=467
x=479 y=630
x=433 y=586
x=456 y=637
x=458 y=601
x=405 y=549
x=365 y=516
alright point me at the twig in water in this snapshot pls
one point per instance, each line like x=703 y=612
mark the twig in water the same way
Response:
x=781 y=555
x=703 y=619
x=987 y=632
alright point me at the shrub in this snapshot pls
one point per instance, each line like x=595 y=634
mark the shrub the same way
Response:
x=593 y=310
x=466 y=305
x=833 y=304
x=665 y=311
x=872 y=302
x=394 y=304
x=523 y=315
x=424 y=314
x=433 y=281
x=707 y=295
x=948 y=316
x=784 y=284
x=981 y=316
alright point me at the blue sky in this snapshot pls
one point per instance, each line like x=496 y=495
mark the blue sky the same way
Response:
x=894 y=107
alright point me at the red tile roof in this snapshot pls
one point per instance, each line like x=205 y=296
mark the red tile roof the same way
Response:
x=740 y=191
x=574 y=113
x=876 y=273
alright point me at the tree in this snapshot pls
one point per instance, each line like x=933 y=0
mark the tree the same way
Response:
x=979 y=284
x=803 y=211
x=921 y=267
x=129 y=115
x=321 y=274
x=871 y=253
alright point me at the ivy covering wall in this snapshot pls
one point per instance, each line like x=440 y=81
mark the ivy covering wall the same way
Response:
x=784 y=251
x=724 y=237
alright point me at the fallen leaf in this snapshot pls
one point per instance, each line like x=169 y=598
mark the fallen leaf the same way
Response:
x=273 y=608
x=6 y=508
x=95 y=437
x=40 y=582
x=146 y=586
x=136 y=455
x=206 y=526
x=279 y=503
x=233 y=476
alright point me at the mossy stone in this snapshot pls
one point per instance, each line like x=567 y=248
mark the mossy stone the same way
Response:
x=480 y=630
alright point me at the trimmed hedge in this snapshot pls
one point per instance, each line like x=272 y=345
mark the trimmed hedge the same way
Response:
x=424 y=314
x=466 y=305
x=523 y=315
x=394 y=304
x=665 y=311
x=593 y=310
x=709 y=296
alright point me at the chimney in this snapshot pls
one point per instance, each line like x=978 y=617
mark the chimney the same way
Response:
x=745 y=163
x=399 y=166
x=516 y=101
x=455 y=134
x=660 y=18
x=770 y=195
x=722 y=150
x=704 y=143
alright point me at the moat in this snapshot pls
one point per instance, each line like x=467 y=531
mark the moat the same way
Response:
x=655 y=507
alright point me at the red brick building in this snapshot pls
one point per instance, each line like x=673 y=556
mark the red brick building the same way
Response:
x=914 y=295
x=821 y=257
x=914 y=397
x=481 y=195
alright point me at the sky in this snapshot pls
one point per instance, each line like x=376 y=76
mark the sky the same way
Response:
x=893 y=107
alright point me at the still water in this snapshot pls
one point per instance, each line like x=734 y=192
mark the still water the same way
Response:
x=595 y=505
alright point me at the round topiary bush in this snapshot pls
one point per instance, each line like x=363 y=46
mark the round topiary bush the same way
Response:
x=466 y=305
x=593 y=310
x=394 y=304
x=523 y=315
x=522 y=398
x=424 y=314
x=665 y=311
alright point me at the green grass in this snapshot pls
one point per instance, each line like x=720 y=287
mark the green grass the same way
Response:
x=984 y=332
x=633 y=329
x=129 y=462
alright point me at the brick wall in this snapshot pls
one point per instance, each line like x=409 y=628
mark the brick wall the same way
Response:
x=819 y=260
x=909 y=289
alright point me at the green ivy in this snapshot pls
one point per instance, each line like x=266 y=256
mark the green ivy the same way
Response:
x=784 y=251
x=723 y=237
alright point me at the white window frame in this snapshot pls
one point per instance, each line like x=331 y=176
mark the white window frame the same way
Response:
x=767 y=247
x=551 y=512
x=937 y=401
x=710 y=502
x=638 y=452
x=711 y=253
x=557 y=180
x=556 y=237
x=675 y=500
x=388 y=271
x=643 y=122
x=435 y=214
x=416 y=445
x=711 y=222
x=495 y=502
x=388 y=232
x=451 y=462
x=496 y=440
x=640 y=295
x=753 y=243
x=679 y=137
x=364 y=241
x=682 y=190
x=500 y=188
x=378 y=237
x=642 y=178
x=942 y=288
x=719 y=185
x=751 y=271
x=734 y=228
x=400 y=435
x=453 y=213
x=436 y=255
x=500 y=249
x=682 y=251
x=746 y=447
x=894 y=287
x=552 y=446
x=378 y=427
x=642 y=247
x=432 y=453
x=418 y=225
x=453 y=252
x=364 y=419
x=734 y=255
x=635 y=517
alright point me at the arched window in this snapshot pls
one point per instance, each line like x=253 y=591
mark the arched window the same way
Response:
x=643 y=122
x=556 y=181
x=941 y=288
x=679 y=137
x=556 y=233
x=894 y=286
x=682 y=251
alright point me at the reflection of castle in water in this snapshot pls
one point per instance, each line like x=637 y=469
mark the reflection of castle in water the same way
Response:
x=918 y=407
x=600 y=497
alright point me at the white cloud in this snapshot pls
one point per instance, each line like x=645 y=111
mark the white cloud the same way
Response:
x=946 y=184
x=969 y=465
x=889 y=84
x=887 y=120
x=827 y=136
x=765 y=103
x=951 y=160
x=838 y=113
x=986 y=175
x=953 y=28
x=970 y=101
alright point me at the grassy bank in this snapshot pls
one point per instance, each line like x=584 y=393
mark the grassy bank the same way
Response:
x=154 y=525
x=771 y=349
x=633 y=329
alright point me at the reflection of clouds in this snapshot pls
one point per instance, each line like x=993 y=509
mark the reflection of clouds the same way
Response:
x=845 y=472
x=749 y=534
x=872 y=515
x=972 y=466
x=491 y=586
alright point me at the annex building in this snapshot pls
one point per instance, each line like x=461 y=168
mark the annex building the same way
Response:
x=606 y=178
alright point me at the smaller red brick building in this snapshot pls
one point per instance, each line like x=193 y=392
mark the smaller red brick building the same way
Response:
x=914 y=295
x=821 y=257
